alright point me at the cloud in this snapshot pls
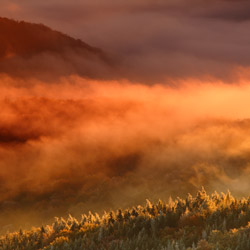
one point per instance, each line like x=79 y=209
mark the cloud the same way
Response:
x=99 y=145
x=13 y=7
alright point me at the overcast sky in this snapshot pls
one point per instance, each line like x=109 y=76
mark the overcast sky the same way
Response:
x=155 y=39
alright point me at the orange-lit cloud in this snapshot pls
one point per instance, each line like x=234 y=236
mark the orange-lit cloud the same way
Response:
x=13 y=7
x=80 y=144
x=80 y=132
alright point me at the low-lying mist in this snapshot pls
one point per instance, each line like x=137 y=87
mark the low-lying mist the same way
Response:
x=78 y=145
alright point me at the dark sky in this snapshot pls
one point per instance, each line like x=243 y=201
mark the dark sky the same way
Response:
x=155 y=40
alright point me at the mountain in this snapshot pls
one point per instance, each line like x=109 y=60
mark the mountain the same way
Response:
x=28 y=49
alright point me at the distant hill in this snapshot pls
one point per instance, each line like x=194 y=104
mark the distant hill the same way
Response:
x=204 y=222
x=26 y=39
x=28 y=49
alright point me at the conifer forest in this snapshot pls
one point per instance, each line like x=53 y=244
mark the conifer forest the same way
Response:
x=203 y=222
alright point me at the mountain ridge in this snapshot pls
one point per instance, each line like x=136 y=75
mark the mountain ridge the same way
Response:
x=35 y=50
x=48 y=36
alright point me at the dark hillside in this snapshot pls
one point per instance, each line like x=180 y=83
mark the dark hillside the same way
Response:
x=34 y=50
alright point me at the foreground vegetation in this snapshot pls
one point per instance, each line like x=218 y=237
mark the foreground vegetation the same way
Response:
x=201 y=222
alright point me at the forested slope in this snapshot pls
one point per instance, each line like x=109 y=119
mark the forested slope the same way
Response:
x=201 y=222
